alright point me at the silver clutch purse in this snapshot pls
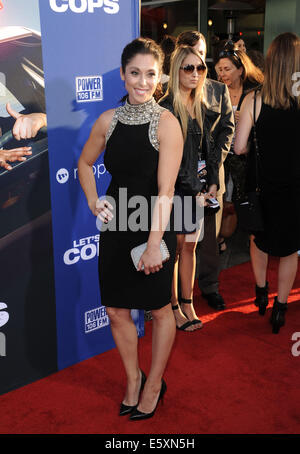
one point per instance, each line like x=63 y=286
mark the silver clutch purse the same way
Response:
x=137 y=252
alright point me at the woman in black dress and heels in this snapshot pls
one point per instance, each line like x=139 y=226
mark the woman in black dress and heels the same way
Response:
x=144 y=146
x=278 y=119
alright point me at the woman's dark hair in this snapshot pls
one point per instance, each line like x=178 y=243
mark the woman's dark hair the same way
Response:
x=167 y=46
x=219 y=46
x=189 y=38
x=144 y=46
x=251 y=74
x=236 y=37
x=227 y=49
x=257 y=58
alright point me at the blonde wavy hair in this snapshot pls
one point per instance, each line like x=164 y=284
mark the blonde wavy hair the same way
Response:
x=282 y=61
x=178 y=56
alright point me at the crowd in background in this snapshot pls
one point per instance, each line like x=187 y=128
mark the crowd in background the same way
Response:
x=242 y=71
x=204 y=142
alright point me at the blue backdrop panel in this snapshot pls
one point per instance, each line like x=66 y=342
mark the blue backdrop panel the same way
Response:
x=82 y=46
x=27 y=305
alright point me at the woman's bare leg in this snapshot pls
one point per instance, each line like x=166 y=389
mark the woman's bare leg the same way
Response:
x=179 y=317
x=163 y=335
x=259 y=261
x=125 y=336
x=187 y=268
x=286 y=275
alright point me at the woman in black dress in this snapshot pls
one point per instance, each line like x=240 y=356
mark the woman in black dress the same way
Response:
x=144 y=146
x=278 y=119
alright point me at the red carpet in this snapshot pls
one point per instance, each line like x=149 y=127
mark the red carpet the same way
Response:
x=232 y=377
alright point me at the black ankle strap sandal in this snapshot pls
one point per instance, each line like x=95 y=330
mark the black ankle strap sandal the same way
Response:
x=185 y=301
x=196 y=321
x=185 y=325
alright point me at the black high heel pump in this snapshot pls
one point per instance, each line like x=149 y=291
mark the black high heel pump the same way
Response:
x=137 y=415
x=127 y=409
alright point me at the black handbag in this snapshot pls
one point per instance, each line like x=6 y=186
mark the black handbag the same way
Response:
x=250 y=211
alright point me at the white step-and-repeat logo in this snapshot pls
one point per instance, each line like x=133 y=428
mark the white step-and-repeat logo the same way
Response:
x=89 y=88
x=83 y=249
x=82 y=6
x=63 y=175
x=95 y=319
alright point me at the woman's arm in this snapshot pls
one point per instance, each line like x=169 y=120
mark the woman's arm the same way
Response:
x=245 y=123
x=94 y=146
x=224 y=128
x=170 y=155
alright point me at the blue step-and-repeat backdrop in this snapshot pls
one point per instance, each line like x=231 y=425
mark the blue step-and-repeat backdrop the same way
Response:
x=82 y=45
x=68 y=57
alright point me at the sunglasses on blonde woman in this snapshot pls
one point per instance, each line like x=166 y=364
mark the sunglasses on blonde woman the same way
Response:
x=189 y=69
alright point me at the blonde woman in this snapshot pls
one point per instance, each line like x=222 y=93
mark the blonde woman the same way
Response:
x=184 y=98
x=277 y=124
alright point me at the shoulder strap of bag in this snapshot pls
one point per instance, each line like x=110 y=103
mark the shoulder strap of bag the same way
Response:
x=256 y=149
x=241 y=100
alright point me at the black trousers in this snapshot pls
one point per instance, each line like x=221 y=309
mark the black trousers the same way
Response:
x=207 y=258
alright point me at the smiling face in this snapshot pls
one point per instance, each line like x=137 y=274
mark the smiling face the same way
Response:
x=227 y=72
x=189 y=81
x=141 y=77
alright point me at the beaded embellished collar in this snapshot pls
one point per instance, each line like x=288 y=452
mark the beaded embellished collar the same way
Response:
x=138 y=114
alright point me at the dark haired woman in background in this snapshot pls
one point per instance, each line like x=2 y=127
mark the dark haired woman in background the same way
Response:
x=236 y=70
x=278 y=120
x=144 y=146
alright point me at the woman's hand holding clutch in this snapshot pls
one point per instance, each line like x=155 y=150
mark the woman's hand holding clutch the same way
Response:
x=151 y=260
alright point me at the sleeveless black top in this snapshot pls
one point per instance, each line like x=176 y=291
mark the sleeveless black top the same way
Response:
x=131 y=157
x=277 y=135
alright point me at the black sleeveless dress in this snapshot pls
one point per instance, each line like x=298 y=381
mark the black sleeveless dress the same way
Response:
x=278 y=142
x=131 y=157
